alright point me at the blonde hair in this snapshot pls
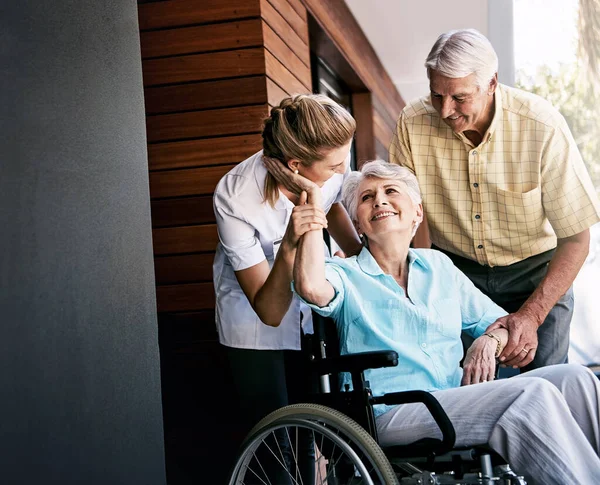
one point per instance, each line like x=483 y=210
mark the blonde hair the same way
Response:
x=301 y=128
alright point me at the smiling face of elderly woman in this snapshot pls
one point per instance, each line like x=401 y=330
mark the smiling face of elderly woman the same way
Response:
x=384 y=207
x=383 y=199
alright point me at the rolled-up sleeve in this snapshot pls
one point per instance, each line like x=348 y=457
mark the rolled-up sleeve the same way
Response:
x=238 y=237
x=336 y=279
x=568 y=195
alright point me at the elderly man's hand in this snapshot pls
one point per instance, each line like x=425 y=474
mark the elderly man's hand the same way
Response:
x=522 y=338
x=480 y=361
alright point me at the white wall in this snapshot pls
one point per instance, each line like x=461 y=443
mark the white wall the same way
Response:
x=403 y=31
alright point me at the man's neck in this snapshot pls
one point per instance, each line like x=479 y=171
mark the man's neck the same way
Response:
x=476 y=136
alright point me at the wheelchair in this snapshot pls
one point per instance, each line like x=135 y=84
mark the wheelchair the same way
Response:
x=333 y=439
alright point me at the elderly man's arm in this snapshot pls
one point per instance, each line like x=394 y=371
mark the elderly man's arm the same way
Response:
x=309 y=270
x=522 y=326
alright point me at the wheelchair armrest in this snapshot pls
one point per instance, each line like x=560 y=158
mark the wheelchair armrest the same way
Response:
x=357 y=362
x=433 y=406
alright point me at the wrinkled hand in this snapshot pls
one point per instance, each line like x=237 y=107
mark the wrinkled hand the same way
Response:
x=291 y=181
x=480 y=362
x=522 y=339
x=305 y=217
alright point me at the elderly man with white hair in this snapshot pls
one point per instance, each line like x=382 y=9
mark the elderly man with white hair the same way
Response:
x=544 y=422
x=505 y=193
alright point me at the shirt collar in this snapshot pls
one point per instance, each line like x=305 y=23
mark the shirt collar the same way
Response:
x=414 y=257
x=497 y=113
x=367 y=262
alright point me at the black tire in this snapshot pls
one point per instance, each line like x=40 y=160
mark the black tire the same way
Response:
x=358 y=447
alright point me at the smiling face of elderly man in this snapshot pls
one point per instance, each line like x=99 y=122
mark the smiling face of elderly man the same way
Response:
x=461 y=103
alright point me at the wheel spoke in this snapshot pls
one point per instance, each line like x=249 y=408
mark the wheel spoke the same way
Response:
x=280 y=462
x=263 y=470
x=293 y=454
x=256 y=475
x=343 y=454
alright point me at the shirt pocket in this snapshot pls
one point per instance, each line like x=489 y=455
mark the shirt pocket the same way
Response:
x=447 y=318
x=517 y=212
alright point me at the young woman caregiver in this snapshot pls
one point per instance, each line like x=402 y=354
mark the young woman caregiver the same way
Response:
x=306 y=145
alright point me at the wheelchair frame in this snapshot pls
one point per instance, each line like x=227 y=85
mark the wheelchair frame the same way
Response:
x=428 y=461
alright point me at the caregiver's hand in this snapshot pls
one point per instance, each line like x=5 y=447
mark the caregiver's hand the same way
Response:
x=293 y=182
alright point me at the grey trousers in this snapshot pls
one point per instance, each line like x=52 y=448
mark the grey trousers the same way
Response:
x=509 y=287
x=544 y=423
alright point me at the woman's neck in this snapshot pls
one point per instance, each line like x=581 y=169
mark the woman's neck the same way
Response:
x=392 y=258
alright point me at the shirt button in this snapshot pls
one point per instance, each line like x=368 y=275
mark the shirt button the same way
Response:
x=423 y=345
x=480 y=246
x=477 y=216
x=475 y=185
x=474 y=152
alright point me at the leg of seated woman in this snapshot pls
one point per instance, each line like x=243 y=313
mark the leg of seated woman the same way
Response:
x=525 y=420
x=581 y=390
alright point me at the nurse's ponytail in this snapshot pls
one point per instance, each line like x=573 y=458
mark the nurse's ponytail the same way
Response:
x=302 y=128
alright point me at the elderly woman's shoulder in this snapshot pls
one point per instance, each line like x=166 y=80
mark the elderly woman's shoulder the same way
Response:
x=348 y=266
x=433 y=257
x=349 y=262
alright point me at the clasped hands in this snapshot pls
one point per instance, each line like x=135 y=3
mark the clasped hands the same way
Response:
x=308 y=213
x=480 y=362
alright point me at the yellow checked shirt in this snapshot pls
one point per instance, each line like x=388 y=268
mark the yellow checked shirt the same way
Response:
x=508 y=198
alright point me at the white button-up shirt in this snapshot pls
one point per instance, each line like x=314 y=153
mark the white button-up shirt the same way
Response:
x=250 y=231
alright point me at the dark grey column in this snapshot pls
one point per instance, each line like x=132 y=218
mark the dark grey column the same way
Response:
x=79 y=365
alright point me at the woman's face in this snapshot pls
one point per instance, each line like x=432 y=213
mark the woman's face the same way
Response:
x=384 y=207
x=334 y=161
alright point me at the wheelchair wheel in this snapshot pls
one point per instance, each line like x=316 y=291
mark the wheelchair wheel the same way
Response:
x=336 y=451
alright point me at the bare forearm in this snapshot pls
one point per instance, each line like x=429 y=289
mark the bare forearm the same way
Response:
x=563 y=268
x=501 y=334
x=272 y=301
x=309 y=270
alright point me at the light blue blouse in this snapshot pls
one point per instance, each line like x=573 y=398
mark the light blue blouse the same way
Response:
x=372 y=312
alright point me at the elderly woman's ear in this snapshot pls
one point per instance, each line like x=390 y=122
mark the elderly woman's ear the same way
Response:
x=419 y=218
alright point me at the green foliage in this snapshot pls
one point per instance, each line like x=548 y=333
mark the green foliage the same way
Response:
x=568 y=91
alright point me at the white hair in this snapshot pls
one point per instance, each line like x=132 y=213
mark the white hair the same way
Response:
x=460 y=53
x=381 y=170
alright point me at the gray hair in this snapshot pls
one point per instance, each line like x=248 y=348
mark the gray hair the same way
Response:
x=381 y=170
x=460 y=53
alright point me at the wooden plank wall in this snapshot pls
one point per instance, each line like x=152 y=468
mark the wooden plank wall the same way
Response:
x=287 y=52
x=336 y=20
x=205 y=80
x=212 y=69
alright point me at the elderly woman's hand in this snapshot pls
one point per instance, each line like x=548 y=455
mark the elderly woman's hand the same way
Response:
x=291 y=181
x=480 y=362
x=308 y=215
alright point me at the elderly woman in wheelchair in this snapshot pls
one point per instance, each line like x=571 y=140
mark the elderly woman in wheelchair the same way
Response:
x=544 y=423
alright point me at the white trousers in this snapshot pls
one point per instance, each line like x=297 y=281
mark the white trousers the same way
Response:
x=544 y=423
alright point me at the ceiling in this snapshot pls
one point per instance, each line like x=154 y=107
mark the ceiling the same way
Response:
x=403 y=31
